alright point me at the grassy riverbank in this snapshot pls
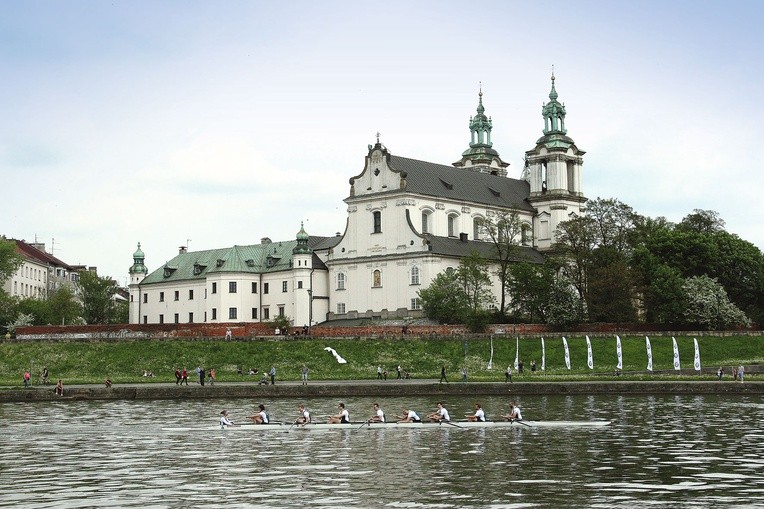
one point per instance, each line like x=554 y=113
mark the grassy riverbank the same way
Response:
x=125 y=361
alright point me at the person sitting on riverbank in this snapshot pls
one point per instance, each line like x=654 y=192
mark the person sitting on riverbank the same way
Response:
x=440 y=414
x=60 y=388
x=341 y=418
x=224 y=420
x=107 y=383
x=514 y=413
x=263 y=380
x=260 y=417
x=478 y=416
x=408 y=416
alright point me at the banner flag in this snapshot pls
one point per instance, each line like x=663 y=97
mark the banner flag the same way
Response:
x=697 y=355
x=649 y=354
x=517 y=354
x=589 y=359
x=619 y=352
x=567 y=352
x=543 y=356
x=677 y=366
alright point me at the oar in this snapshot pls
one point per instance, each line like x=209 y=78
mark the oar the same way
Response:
x=452 y=424
x=290 y=427
x=520 y=422
x=361 y=426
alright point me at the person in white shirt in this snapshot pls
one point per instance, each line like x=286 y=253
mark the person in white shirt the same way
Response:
x=409 y=416
x=440 y=414
x=304 y=417
x=224 y=420
x=379 y=415
x=478 y=416
x=261 y=417
x=341 y=418
x=514 y=413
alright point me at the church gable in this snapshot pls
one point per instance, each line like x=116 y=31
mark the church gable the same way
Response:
x=377 y=176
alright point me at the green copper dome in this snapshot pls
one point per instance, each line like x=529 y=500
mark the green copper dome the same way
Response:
x=302 y=242
x=138 y=266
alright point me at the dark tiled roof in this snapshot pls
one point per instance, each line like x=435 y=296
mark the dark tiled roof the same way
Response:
x=459 y=184
x=29 y=251
x=455 y=247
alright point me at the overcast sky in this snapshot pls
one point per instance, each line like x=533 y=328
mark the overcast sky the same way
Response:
x=218 y=123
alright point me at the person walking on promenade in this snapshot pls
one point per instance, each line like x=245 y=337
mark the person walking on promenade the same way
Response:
x=741 y=372
x=184 y=377
x=212 y=376
x=399 y=371
x=178 y=377
x=720 y=373
x=304 y=374
x=443 y=375
x=60 y=388
x=508 y=375
x=379 y=372
x=272 y=373
x=201 y=376
x=27 y=377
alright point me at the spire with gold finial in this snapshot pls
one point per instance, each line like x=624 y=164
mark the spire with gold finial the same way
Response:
x=553 y=113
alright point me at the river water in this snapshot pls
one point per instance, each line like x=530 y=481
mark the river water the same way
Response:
x=660 y=451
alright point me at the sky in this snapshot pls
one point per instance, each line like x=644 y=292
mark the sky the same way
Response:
x=212 y=124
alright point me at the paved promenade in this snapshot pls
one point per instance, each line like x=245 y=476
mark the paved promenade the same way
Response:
x=390 y=387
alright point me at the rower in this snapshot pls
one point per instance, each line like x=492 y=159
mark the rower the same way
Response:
x=261 y=417
x=440 y=414
x=514 y=413
x=304 y=417
x=224 y=421
x=479 y=415
x=342 y=418
x=379 y=415
x=409 y=416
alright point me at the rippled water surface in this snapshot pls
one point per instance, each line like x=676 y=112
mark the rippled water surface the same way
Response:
x=660 y=451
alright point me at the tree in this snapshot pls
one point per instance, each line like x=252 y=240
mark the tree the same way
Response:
x=504 y=230
x=709 y=307
x=702 y=221
x=444 y=300
x=530 y=287
x=611 y=287
x=10 y=259
x=64 y=307
x=97 y=297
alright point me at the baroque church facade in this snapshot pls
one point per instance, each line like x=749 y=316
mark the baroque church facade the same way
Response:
x=408 y=220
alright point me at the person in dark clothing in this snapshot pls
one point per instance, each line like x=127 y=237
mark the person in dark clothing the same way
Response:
x=201 y=376
x=443 y=375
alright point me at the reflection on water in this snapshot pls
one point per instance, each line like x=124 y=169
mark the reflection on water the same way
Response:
x=661 y=451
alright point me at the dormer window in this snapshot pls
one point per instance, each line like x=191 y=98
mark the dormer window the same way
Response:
x=220 y=263
x=250 y=262
x=198 y=269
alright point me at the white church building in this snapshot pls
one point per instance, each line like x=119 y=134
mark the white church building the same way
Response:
x=408 y=220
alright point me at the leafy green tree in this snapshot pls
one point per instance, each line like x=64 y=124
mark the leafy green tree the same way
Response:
x=530 y=287
x=444 y=300
x=64 y=307
x=283 y=323
x=8 y=310
x=564 y=307
x=37 y=308
x=702 y=221
x=709 y=307
x=611 y=287
x=505 y=231
x=10 y=259
x=97 y=297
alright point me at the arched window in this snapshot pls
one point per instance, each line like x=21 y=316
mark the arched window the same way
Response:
x=377 y=221
x=415 y=275
x=476 y=223
x=340 y=281
x=425 y=221
x=526 y=235
x=376 y=278
x=452 y=225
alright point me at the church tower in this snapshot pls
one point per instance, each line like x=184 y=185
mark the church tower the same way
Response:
x=302 y=280
x=553 y=170
x=138 y=271
x=481 y=156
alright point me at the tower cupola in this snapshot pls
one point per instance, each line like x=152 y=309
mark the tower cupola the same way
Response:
x=138 y=266
x=481 y=156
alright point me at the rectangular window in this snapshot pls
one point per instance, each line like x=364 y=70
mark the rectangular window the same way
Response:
x=214 y=288
x=232 y=287
x=416 y=304
x=161 y=296
x=190 y=295
x=266 y=314
x=299 y=284
x=284 y=286
x=340 y=308
x=161 y=318
x=190 y=318
x=254 y=313
x=232 y=313
x=214 y=313
x=254 y=287
x=377 y=222
x=281 y=310
x=177 y=295
x=145 y=298
x=145 y=319
x=131 y=298
x=177 y=318
x=265 y=287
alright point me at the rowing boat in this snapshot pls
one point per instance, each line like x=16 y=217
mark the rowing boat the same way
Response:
x=288 y=426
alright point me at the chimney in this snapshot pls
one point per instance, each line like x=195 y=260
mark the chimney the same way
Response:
x=265 y=240
x=182 y=249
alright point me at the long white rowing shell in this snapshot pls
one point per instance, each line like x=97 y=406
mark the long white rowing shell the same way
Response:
x=285 y=426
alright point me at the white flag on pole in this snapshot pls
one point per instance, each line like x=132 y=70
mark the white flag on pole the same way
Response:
x=619 y=352
x=567 y=352
x=697 y=355
x=517 y=354
x=649 y=354
x=677 y=366
x=543 y=356
x=589 y=358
